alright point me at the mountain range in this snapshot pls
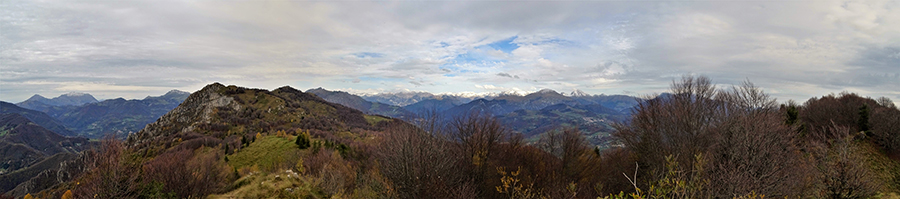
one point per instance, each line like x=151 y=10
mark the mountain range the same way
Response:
x=530 y=114
x=41 y=103
x=39 y=118
x=82 y=115
x=361 y=104
x=118 y=116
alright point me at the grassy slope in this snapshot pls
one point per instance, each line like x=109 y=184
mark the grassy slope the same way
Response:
x=267 y=153
x=267 y=162
x=887 y=170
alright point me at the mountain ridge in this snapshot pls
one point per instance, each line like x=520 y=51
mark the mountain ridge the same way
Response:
x=359 y=103
x=37 y=117
x=226 y=114
x=41 y=103
x=118 y=116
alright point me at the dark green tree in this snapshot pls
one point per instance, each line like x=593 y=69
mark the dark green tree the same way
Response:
x=303 y=140
x=863 y=122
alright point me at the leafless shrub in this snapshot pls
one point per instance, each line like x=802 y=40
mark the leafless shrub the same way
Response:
x=188 y=172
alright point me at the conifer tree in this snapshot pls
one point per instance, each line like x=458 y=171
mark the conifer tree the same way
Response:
x=303 y=140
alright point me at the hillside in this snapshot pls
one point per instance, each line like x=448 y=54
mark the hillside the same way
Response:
x=222 y=137
x=39 y=118
x=231 y=112
x=118 y=116
x=621 y=103
x=508 y=103
x=594 y=121
x=24 y=144
x=361 y=104
x=40 y=103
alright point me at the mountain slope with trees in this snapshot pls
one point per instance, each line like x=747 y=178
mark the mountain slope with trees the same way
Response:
x=39 y=118
x=698 y=141
x=117 y=116
x=26 y=149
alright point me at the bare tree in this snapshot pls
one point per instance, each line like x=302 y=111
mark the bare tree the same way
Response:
x=108 y=176
x=676 y=125
x=418 y=163
x=478 y=133
x=886 y=102
x=755 y=153
x=841 y=170
x=750 y=148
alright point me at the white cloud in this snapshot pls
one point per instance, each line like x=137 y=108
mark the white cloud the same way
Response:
x=610 y=47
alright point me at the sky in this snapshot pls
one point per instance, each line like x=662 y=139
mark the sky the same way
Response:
x=132 y=49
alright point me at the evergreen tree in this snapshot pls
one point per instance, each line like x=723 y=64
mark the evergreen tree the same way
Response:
x=303 y=140
x=863 y=122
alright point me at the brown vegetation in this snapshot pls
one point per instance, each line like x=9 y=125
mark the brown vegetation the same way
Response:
x=698 y=142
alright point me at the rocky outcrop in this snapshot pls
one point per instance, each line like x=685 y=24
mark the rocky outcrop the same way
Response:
x=196 y=108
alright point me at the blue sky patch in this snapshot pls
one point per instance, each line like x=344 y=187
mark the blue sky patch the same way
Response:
x=505 y=45
x=368 y=54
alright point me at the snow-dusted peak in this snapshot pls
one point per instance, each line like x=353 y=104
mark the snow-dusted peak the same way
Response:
x=578 y=93
x=547 y=91
x=74 y=94
x=470 y=95
x=512 y=93
x=177 y=92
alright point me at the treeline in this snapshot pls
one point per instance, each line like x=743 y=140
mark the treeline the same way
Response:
x=738 y=142
x=699 y=142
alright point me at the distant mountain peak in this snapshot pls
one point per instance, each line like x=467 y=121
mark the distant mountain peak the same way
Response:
x=547 y=91
x=40 y=103
x=177 y=92
x=36 y=97
x=510 y=93
x=578 y=93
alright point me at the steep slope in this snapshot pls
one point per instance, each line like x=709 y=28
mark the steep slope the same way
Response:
x=18 y=129
x=41 y=175
x=24 y=144
x=361 y=104
x=118 y=116
x=40 y=103
x=39 y=118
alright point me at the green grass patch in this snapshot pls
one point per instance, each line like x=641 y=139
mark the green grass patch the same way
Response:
x=886 y=170
x=280 y=184
x=373 y=120
x=268 y=152
x=4 y=131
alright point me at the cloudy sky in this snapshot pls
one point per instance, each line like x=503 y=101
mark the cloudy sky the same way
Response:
x=793 y=49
